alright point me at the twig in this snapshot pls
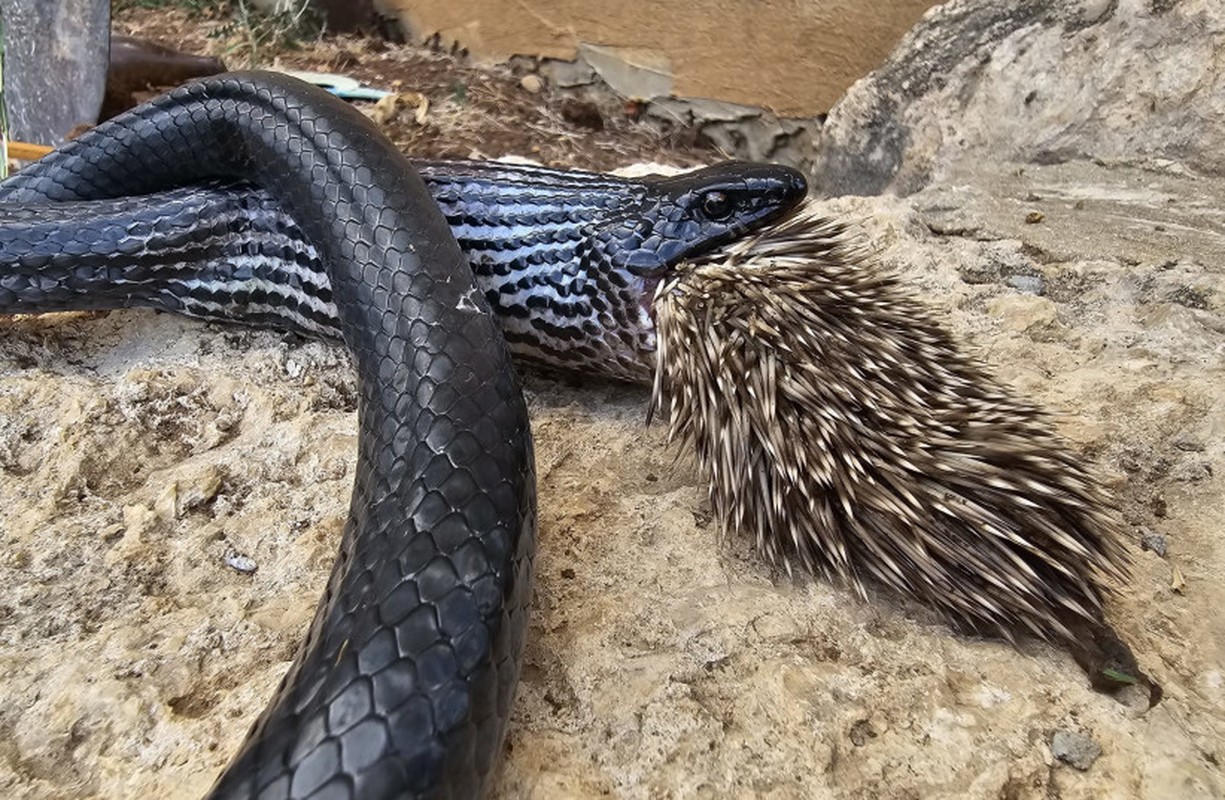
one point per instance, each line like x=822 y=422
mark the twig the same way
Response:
x=4 y=117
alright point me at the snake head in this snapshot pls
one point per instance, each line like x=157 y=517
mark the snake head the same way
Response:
x=686 y=215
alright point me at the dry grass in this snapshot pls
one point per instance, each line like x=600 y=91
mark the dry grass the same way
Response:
x=240 y=32
x=473 y=110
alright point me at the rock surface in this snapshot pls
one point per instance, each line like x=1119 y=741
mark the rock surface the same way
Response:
x=140 y=453
x=1044 y=81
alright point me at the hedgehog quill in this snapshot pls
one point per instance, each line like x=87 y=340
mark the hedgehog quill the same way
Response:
x=844 y=428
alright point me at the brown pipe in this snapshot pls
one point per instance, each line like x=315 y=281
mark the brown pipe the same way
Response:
x=138 y=65
x=26 y=151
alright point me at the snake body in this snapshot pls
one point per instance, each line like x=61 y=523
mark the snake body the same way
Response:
x=566 y=259
x=255 y=197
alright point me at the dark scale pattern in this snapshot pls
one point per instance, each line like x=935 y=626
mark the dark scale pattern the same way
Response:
x=258 y=203
x=567 y=260
x=405 y=681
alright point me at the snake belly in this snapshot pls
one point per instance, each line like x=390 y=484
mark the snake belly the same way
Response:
x=405 y=680
x=255 y=198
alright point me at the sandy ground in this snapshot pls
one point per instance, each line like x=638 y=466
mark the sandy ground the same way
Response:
x=147 y=463
x=141 y=453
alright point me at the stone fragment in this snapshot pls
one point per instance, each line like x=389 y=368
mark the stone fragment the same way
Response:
x=1153 y=542
x=240 y=563
x=1075 y=748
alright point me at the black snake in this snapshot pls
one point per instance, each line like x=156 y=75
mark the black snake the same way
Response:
x=257 y=198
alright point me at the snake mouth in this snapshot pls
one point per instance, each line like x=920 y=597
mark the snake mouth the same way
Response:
x=646 y=298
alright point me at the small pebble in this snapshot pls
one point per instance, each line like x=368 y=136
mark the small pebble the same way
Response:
x=1077 y=749
x=240 y=563
x=531 y=83
x=1187 y=442
x=862 y=733
x=1034 y=217
x=1152 y=541
x=1030 y=284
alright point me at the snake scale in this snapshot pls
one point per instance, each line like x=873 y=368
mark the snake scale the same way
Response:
x=254 y=197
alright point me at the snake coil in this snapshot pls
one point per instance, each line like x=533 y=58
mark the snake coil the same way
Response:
x=405 y=681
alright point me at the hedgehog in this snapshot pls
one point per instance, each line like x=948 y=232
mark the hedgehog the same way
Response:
x=843 y=427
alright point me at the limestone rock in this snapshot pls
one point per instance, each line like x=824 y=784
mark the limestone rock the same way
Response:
x=1075 y=748
x=1044 y=81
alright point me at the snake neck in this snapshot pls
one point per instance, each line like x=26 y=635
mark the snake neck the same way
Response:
x=541 y=243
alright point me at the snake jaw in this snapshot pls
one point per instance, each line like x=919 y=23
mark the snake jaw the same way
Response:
x=677 y=219
x=646 y=298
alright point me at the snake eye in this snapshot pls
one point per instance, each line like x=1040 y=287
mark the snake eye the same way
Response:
x=717 y=205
